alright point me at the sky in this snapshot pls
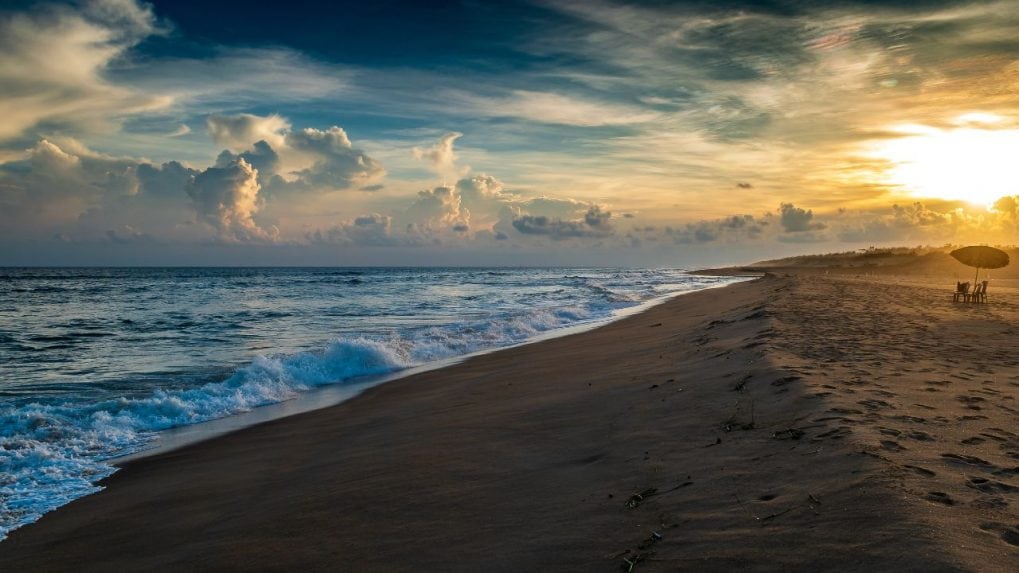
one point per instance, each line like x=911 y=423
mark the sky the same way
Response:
x=502 y=133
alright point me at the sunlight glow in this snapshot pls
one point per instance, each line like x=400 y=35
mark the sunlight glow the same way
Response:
x=969 y=164
x=978 y=117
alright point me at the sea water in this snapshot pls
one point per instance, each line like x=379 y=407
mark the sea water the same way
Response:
x=95 y=362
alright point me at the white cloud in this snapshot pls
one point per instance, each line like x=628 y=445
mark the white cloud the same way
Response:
x=307 y=159
x=235 y=77
x=371 y=230
x=797 y=220
x=335 y=163
x=442 y=157
x=555 y=108
x=226 y=198
x=72 y=190
x=182 y=129
x=437 y=208
x=53 y=65
x=594 y=223
x=240 y=131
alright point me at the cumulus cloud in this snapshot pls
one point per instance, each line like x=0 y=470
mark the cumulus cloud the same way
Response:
x=441 y=156
x=797 y=220
x=128 y=235
x=71 y=190
x=261 y=156
x=555 y=207
x=371 y=230
x=477 y=202
x=734 y=228
x=307 y=159
x=917 y=221
x=336 y=163
x=1008 y=207
x=595 y=223
x=238 y=132
x=595 y=218
x=63 y=188
x=483 y=194
x=438 y=208
x=51 y=185
x=474 y=210
x=68 y=189
x=167 y=180
x=226 y=198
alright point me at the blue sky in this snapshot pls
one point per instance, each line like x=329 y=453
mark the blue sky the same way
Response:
x=544 y=132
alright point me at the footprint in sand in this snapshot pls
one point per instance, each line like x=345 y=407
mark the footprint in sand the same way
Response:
x=990 y=502
x=989 y=486
x=973 y=441
x=1008 y=533
x=940 y=497
x=786 y=380
x=1002 y=432
x=971 y=402
x=971 y=460
x=835 y=434
x=892 y=446
x=913 y=419
x=995 y=437
x=875 y=404
x=1007 y=409
x=922 y=471
x=844 y=411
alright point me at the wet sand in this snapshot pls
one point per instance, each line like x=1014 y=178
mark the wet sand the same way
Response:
x=790 y=423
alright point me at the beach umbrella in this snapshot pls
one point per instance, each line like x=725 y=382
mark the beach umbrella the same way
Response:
x=981 y=258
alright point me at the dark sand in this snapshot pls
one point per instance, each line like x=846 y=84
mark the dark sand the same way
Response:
x=787 y=424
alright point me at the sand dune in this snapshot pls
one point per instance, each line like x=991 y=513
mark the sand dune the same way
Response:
x=930 y=263
x=791 y=423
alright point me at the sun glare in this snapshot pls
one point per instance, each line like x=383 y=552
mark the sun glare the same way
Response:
x=968 y=163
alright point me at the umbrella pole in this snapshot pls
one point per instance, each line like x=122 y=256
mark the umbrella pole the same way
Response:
x=976 y=277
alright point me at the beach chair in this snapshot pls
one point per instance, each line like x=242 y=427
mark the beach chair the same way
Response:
x=979 y=294
x=961 y=292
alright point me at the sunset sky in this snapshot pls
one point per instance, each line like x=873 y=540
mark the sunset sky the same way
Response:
x=510 y=133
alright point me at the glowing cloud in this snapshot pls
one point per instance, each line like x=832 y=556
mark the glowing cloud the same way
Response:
x=963 y=163
x=227 y=199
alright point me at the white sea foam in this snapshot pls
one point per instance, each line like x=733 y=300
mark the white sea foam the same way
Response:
x=52 y=452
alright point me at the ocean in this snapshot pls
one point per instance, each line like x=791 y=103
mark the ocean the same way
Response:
x=95 y=362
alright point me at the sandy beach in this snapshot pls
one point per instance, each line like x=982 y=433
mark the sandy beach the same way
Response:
x=791 y=423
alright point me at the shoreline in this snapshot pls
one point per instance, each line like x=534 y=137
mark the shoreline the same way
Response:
x=333 y=394
x=722 y=429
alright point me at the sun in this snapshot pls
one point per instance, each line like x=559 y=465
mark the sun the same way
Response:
x=971 y=162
